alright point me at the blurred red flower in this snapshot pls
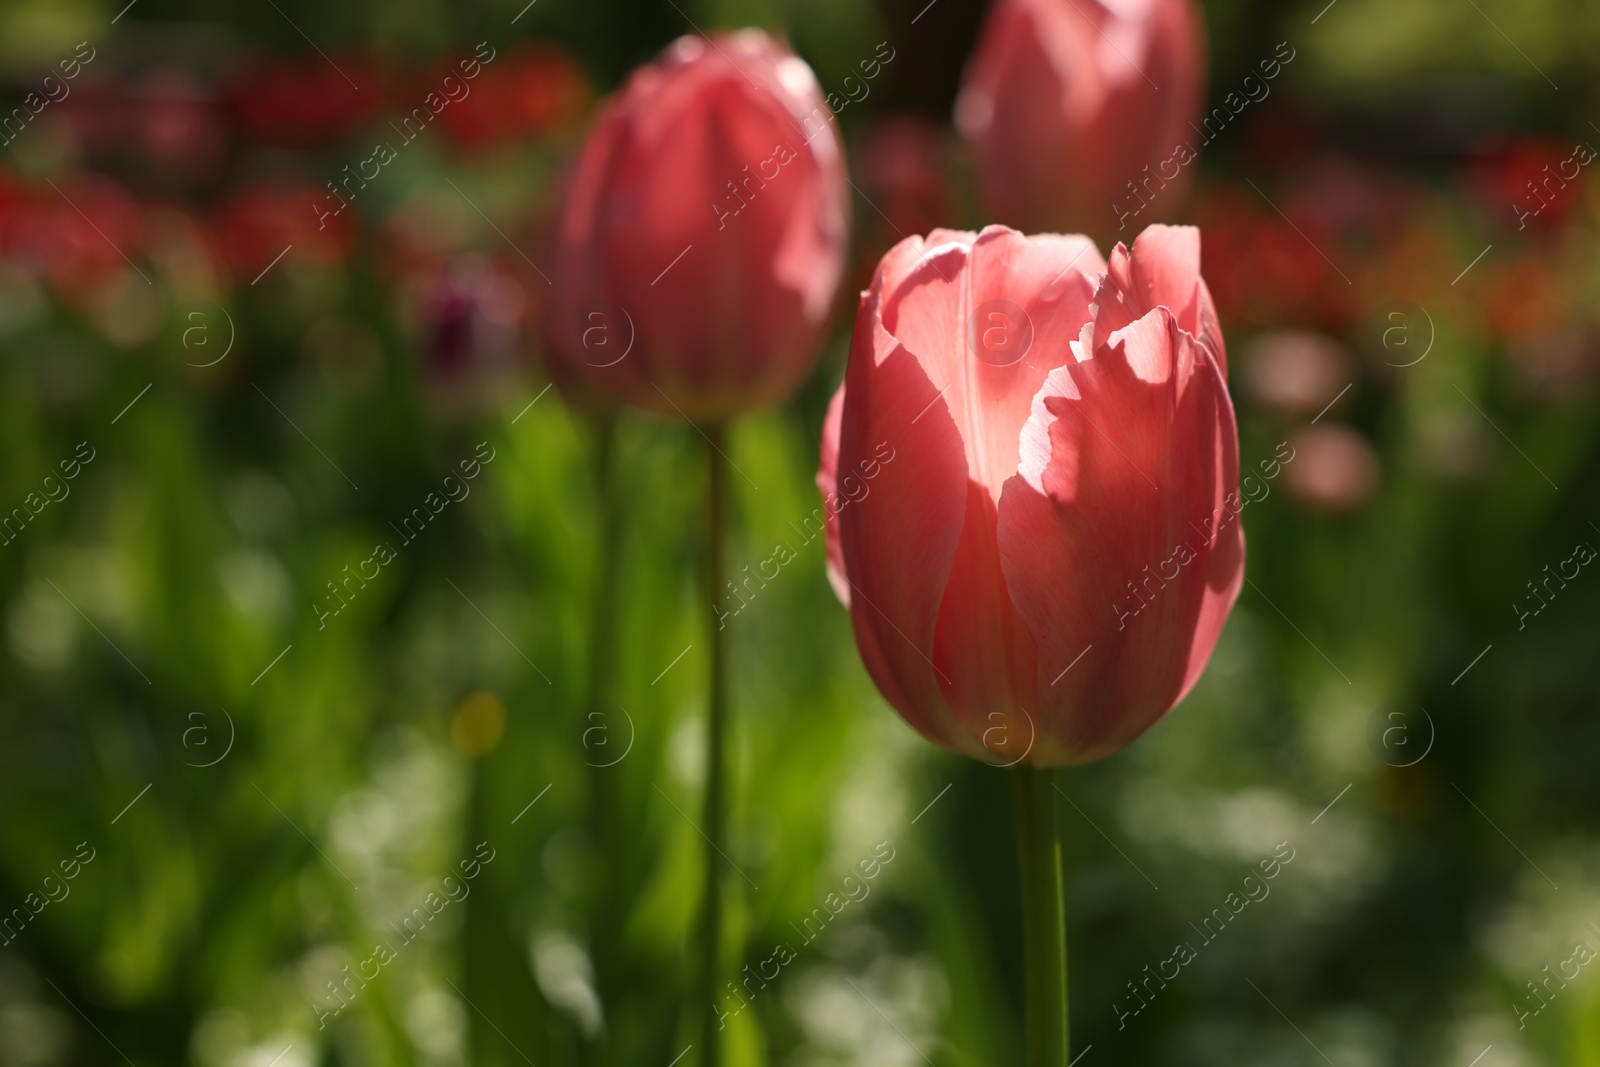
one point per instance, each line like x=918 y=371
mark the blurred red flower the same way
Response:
x=1261 y=271
x=77 y=234
x=179 y=124
x=1504 y=175
x=165 y=120
x=532 y=90
x=13 y=197
x=308 y=102
x=256 y=223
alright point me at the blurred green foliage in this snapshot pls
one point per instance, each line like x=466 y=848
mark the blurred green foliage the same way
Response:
x=267 y=796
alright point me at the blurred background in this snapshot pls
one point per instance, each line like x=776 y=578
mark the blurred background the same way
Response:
x=229 y=769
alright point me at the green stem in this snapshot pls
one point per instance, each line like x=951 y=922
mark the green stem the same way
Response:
x=604 y=792
x=1044 y=920
x=715 y=823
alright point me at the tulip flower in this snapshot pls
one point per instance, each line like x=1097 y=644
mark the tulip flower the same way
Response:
x=702 y=234
x=697 y=248
x=1067 y=451
x=1042 y=570
x=1078 y=112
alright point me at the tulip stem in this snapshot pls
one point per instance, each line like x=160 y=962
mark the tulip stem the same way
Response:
x=715 y=824
x=1044 y=925
x=605 y=795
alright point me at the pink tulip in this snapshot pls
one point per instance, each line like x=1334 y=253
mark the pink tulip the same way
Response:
x=702 y=233
x=1041 y=570
x=1066 y=102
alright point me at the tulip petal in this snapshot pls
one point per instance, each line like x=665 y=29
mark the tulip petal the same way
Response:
x=827 y=485
x=900 y=540
x=1165 y=269
x=985 y=654
x=1116 y=536
x=989 y=318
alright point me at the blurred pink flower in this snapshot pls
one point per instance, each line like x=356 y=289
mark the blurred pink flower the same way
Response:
x=1295 y=372
x=1066 y=102
x=904 y=174
x=472 y=318
x=1334 y=468
x=309 y=101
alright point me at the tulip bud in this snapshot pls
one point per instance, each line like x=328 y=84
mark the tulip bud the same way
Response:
x=1078 y=112
x=1043 y=570
x=701 y=234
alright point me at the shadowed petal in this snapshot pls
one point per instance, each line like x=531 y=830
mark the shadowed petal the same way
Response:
x=1116 y=534
x=899 y=541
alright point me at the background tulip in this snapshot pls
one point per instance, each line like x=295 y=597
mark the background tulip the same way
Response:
x=702 y=233
x=1067 y=102
x=1042 y=571
x=699 y=243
